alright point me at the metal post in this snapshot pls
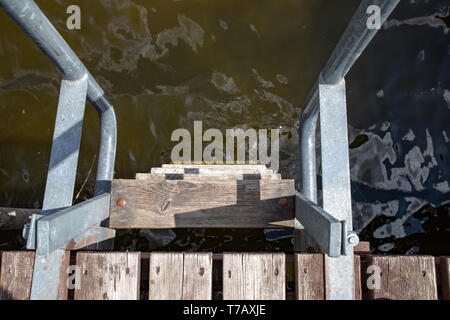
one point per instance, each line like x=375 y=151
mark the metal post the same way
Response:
x=60 y=181
x=328 y=98
x=355 y=39
x=339 y=270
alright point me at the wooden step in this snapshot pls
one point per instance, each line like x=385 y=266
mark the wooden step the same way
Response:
x=258 y=168
x=148 y=204
x=208 y=171
x=206 y=177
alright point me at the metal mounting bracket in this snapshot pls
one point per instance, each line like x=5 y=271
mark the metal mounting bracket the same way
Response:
x=69 y=227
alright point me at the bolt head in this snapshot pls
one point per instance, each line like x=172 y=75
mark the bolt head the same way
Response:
x=283 y=202
x=121 y=202
x=353 y=239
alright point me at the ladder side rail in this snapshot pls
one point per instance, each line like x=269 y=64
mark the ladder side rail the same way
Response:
x=37 y=26
x=77 y=85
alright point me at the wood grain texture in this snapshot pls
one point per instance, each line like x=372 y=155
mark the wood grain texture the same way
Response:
x=209 y=171
x=404 y=278
x=201 y=204
x=445 y=277
x=362 y=247
x=309 y=276
x=15 y=218
x=180 y=276
x=205 y=177
x=258 y=168
x=254 y=276
x=108 y=276
x=16 y=275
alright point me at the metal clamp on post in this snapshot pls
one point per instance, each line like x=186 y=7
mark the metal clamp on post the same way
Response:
x=76 y=227
x=331 y=235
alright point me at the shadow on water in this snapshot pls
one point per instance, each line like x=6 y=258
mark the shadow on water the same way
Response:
x=242 y=64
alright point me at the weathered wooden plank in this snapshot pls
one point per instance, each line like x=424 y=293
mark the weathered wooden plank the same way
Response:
x=166 y=276
x=186 y=204
x=254 y=276
x=203 y=177
x=211 y=171
x=261 y=168
x=16 y=275
x=108 y=276
x=404 y=278
x=362 y=247
x=180 y=276
x=445 y=277
x=197 y=276
x=309 y=277
x=15 y=218
x=358 y=287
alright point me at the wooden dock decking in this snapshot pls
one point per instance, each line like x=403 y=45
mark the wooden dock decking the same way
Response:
x=229 y=276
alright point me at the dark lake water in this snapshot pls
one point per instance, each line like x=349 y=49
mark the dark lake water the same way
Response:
x=242 y=64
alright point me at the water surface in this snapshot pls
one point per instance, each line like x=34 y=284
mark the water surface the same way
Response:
x=242 y=64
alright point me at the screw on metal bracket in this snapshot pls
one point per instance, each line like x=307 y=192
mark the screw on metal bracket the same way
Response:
x=283 y=202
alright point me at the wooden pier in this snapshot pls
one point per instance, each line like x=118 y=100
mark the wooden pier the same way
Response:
x=201 y=196
x=229 y=276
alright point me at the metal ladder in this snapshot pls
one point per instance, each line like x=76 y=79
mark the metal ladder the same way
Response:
x=63 y=226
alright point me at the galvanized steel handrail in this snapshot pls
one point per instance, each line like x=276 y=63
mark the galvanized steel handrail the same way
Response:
x=36 y=25
x=356 y=38
x=328 y=98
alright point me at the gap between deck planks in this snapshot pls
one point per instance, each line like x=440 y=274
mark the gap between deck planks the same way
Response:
x=147 y=204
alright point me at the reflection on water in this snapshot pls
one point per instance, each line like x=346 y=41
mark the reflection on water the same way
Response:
x=241 y=64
